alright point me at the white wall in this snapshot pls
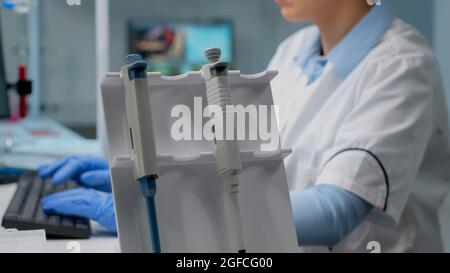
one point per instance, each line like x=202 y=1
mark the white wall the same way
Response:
x=68 y=87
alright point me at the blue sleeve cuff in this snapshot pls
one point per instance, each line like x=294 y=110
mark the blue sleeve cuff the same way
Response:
x=326 y=214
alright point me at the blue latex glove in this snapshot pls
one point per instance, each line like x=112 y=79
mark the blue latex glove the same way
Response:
x=90 y=172
x=325 y=214
x=86 y=203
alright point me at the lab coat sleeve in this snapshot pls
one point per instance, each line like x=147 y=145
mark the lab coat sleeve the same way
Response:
x=380 y=145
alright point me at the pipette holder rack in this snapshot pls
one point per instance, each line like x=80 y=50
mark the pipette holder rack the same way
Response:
x=191 y=199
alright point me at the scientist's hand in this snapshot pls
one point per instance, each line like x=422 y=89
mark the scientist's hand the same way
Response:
x=90 y=172
x=86 y=203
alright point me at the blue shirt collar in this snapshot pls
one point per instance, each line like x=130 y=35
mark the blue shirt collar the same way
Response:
x=352 y=49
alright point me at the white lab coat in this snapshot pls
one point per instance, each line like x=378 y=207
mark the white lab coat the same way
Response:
x=381 y=133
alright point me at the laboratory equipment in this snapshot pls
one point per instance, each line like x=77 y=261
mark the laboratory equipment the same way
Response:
x=25 y=210
x=24 y=89
x=227 y=151
x=23 y=84
x=192 y=204
x=143 y=148
x=174 y=47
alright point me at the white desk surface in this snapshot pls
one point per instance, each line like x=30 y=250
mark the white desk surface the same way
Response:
x=101 y=241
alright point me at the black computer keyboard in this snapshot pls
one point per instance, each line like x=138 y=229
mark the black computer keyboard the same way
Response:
x=25 y=210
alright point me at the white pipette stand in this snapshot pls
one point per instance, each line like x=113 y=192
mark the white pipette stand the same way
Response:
x=192 y=204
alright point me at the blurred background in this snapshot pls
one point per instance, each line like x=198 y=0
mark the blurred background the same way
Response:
x=170 y=33
x=67 y=41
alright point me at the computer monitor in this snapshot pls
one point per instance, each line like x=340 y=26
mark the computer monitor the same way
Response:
x=175 y=47
x=4 y=101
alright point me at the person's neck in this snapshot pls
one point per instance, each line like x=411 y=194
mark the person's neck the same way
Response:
x=335 y=24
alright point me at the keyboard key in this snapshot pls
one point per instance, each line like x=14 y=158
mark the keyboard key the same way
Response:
x=18 y=199
x=59 y=187
x=54 y=220
x=32 y=201
x=48 y=188
x=41 y=217
x=67 y=222
x=82 y=224
x=71 y=185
